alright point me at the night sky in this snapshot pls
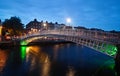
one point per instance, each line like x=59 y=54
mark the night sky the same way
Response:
x=102 y=14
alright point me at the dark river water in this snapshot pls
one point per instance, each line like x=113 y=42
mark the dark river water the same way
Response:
x=63 y=59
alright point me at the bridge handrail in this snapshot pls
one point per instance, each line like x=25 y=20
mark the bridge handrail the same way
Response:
x=83 y=34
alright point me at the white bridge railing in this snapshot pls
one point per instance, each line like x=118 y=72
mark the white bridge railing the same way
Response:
x=94 y=35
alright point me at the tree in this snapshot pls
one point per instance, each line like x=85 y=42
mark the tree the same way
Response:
x=0 y=21
x=13 y=26
x=56 y=22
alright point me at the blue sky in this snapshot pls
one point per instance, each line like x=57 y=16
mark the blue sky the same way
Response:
x=103 y=14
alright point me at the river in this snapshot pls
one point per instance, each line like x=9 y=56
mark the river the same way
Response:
x=61 y=59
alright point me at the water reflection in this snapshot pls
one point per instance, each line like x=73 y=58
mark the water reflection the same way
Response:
x=109 y=64
x=71 y=71
x=23 y=52
x=46 y=67
x=35 y=56
x=56 y=47
x=3 y=59
x=55 y=60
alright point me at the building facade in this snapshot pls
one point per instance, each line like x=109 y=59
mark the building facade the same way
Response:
x=35 y=26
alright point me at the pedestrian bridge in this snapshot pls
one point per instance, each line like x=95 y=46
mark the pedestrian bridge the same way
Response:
x=100 y=41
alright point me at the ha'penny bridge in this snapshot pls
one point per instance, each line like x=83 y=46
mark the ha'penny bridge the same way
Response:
x=103 y=42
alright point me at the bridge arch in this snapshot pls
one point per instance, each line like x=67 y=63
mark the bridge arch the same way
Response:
x=98 y=45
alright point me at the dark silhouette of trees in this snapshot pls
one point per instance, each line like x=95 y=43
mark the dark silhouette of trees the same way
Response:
x=13 y=26
x=0 y=21
x=56 y=22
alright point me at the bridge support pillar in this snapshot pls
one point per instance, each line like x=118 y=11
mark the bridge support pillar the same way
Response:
x=97 y=45
x=93 y=45
x=90 y=43
x=117 y=61
x=101 y=46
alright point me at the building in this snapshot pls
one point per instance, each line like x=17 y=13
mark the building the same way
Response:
x=68 y=27
x=59 y=26
x=35 y=26
x=80 y=28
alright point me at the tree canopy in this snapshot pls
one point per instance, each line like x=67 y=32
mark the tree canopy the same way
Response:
x=13 y=26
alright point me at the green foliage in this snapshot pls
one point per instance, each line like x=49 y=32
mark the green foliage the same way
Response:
x=13 y=26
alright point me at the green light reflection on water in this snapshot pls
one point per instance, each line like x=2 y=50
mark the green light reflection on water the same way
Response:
x=107 y=65
x=23 y=49
x=23 y=43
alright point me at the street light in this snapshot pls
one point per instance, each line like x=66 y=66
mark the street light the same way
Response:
x=68 y=20
x=45 y=25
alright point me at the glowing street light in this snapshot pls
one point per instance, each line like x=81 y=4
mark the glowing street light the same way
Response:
x=68 y=20
x=44 y=24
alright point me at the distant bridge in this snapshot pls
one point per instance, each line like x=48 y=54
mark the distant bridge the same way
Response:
x=100 y=41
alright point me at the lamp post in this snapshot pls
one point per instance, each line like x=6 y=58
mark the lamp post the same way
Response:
x=68 y=20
